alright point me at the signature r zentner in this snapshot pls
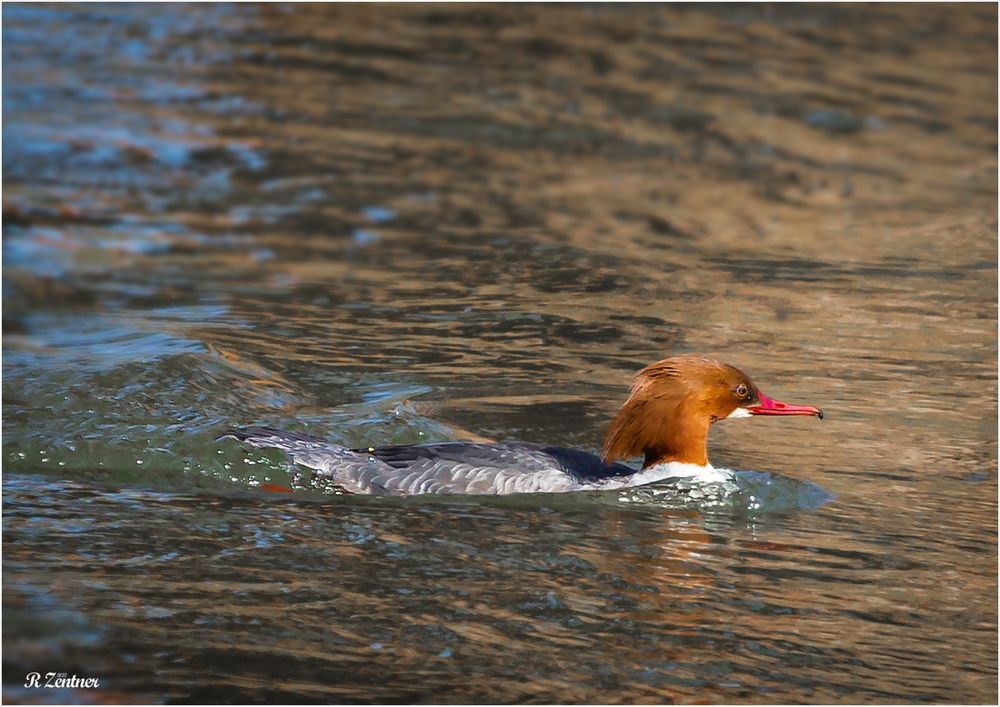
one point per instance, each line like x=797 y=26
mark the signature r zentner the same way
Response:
x=59 y=680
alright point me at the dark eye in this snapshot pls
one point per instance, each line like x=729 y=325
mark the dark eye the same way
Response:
x=741 y=390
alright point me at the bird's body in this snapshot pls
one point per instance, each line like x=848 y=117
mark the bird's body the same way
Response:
x=665 y=420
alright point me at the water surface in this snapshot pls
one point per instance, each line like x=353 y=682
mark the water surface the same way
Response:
x=415 y=223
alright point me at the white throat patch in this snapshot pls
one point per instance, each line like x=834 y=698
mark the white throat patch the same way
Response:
x=737 y=413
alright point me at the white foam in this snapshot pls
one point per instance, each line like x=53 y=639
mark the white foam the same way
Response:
x=707 y=474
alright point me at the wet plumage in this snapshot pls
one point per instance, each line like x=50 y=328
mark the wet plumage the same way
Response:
x=444 y=468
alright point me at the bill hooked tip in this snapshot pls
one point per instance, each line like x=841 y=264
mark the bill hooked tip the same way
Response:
x=767 y=406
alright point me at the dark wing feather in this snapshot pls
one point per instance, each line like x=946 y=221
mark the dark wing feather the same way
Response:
x=582 y=466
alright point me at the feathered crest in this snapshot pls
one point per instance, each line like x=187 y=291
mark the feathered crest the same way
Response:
x=667 y=414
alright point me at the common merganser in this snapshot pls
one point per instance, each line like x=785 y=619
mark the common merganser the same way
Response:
x=665 y=420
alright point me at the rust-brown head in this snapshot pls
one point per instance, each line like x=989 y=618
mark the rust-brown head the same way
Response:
x=672 y=404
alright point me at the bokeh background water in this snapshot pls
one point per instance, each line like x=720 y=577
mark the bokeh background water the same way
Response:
x=394 y=224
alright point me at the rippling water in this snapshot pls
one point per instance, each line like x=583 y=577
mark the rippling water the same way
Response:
x=394 y=224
